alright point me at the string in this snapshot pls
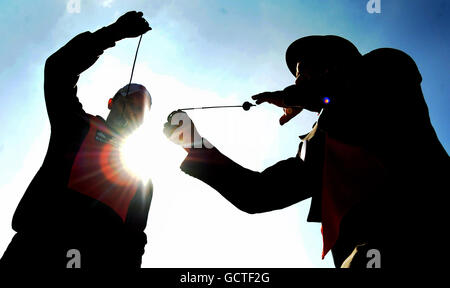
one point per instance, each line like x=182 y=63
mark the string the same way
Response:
x=131 y=78
x=210 y=107
x=134 y=63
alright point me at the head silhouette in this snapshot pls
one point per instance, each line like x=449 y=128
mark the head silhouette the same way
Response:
x=311 y=57
x=127 y=110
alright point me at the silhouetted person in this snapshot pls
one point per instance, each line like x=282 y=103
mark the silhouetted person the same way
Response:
x=82 y=198
x=372 y=164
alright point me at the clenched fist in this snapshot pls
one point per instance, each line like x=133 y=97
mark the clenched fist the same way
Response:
x=130 y=25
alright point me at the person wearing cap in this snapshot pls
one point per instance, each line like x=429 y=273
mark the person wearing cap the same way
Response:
x=82 y=203
x=372 y=164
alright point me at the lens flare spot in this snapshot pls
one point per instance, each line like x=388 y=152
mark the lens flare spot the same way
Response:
x=134 y=152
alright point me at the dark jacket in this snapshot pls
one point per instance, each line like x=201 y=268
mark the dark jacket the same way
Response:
x=80 y=198
x=376 y=106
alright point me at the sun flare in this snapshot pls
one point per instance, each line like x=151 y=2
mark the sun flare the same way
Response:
x=147 y=154
x=134 y=156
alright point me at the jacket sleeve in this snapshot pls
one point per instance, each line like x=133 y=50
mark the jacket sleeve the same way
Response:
x=277 y=187
x=62 y=70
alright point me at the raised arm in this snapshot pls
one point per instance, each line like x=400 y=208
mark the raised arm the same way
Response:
x=62 y=69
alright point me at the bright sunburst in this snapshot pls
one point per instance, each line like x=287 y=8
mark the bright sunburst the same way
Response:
x=147 y=153
x=134 y=154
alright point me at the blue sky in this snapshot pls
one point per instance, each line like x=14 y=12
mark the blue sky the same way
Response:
x=204 y=53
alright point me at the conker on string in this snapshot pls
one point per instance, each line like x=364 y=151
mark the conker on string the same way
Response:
x=246 y=106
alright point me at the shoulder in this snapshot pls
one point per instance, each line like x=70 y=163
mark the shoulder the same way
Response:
x=391 y=57
x=387 y=52
x=392 y=63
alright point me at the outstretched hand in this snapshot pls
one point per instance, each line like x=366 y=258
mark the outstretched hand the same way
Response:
x=276 y=98
x=131 y=24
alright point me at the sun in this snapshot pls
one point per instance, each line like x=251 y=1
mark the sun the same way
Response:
x=148 y=154
x=134 y=156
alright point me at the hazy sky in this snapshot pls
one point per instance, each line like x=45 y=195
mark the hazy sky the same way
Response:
x=204 y=53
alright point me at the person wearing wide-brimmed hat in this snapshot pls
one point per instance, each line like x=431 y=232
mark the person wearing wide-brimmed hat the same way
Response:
x=372 y=164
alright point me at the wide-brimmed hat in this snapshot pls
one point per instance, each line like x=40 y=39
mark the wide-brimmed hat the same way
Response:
x=320 y=47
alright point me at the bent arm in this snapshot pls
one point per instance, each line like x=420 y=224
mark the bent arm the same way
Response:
x=62 y=70
x=277 y=187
